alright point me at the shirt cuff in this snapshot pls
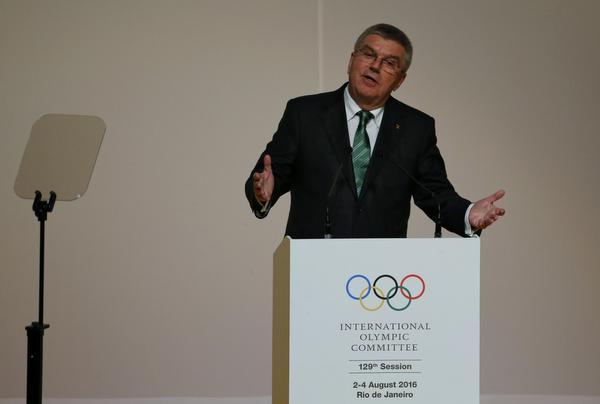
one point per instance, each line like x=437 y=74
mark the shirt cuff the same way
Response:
x=468 y=229
x=264 y=210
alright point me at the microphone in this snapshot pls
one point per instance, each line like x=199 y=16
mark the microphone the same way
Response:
x=438 y=219
x=329 y=195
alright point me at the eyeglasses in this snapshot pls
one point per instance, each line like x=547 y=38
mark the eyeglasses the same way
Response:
x=389 y=64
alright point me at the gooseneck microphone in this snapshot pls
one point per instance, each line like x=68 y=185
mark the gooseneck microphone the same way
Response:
x=438 y=219
x=328 y=202
x=331 y=193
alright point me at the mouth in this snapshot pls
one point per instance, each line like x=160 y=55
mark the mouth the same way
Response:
x=370 y=80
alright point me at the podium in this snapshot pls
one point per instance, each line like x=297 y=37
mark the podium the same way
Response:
x=369 y=320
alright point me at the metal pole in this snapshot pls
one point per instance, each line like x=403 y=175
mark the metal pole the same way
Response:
x=35 y=331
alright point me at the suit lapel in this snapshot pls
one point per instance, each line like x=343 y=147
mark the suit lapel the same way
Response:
x=390 y=135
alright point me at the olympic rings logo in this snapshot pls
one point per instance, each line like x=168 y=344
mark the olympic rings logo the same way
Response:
x=381 y=294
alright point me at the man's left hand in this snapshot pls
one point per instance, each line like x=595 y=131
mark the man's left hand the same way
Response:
x=484 y=213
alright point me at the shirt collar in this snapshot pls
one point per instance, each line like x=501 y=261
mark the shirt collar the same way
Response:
x=352 y=109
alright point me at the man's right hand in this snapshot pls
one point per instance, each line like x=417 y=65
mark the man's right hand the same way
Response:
x=264 y=182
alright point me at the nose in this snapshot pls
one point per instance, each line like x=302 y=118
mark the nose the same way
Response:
x=376 y=64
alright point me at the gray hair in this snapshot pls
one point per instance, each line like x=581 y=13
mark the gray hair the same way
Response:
x=389 y=32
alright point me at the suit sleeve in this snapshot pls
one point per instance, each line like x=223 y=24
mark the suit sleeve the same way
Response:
x=283 y=149
x=431 y=171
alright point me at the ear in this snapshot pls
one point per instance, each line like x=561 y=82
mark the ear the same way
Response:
x=349 y=63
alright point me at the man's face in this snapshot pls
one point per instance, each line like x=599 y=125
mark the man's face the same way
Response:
x=371 y=81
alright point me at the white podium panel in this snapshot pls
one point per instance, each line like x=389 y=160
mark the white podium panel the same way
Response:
x=369 y=320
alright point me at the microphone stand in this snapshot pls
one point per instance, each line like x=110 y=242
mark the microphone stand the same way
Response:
x=35 y=331
x=328 y=233
x=438 y=219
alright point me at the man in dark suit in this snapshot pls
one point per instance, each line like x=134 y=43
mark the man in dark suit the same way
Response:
x=357 y=155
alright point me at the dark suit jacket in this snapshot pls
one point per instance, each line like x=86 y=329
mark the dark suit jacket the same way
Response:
x=312 y=143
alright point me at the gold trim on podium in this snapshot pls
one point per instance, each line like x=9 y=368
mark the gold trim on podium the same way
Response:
x=281 y=323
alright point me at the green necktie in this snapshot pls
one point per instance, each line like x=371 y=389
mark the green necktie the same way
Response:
x=361 y=150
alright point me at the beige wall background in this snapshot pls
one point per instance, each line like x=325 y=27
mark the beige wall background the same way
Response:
x=159 y=279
